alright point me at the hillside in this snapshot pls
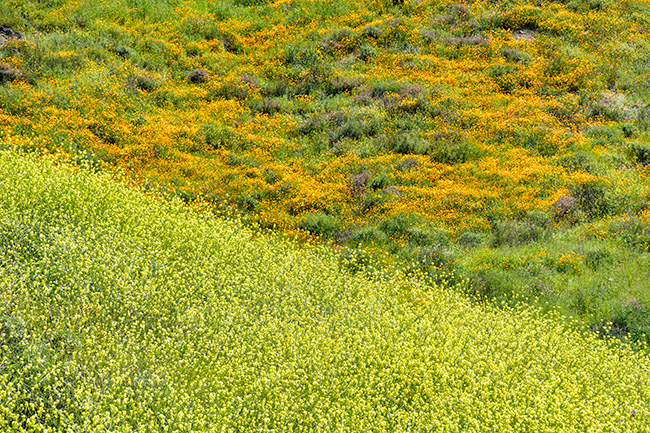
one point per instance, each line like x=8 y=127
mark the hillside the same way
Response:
x=120 y=312
x=504 y=143
x=468 y=180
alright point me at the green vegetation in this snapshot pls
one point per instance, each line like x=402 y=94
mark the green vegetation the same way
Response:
x=120 y=312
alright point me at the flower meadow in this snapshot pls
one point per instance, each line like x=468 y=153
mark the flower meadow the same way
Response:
x=122 y=312
x=307 y=215
x=488 y=140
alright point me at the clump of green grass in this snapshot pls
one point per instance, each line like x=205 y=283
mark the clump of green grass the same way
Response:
x=120 y=312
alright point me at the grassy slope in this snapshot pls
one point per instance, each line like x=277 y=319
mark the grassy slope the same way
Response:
x=426 y=130
x=122 y=313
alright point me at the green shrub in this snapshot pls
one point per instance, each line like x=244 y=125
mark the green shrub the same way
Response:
x=612 y=134
x=372 y=32
x=581 y=161
x=407 y=164
x=8 y=73
x=492 y=283
x=341 y=41
x=339 y=84
x=632 y=230
x=367 y=52
x=397 y=225
x=146 y=84
x=523 y=18
x=370 y=235
x=320 y=223
x=535 y=227
x=629 y=130
x=230 y=90
x=380 y=181
x=304 y=56
x=420 y=236
x=406 y=143
x=250 y=2
x=586 y=5
x=373 y=200
x=268 y=106
x=536 y=140
x=200 y=28
x=218 y=137
x=612 y=107
x=352 y=129
x=455 y=152
x=353 y=126
x=395 y=35
x=504 y=75
x=540 y=219
x=198 y=76
x=271 y=176
x=639 y=152
x=235 y=160
x=381 y=88
x=13 y=101
x=471 y=239
x=311 y=125
x=516 y=55
x=568 y=62
x=435 y=260
x=231 y=43
x=594 y=198
x=248 y=202
x=598 y=258
x=277 y=87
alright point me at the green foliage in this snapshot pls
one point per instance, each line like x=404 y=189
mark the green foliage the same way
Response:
x=455 y=152
x=632 y=230
x=353 y=125
x=320 y=223
x=230 y=90
x=515 y=55
x=397 y=225
x=537 y=226
x=270 y=176
x=340 y=42
x=143 y=83
x=407 y=143
x=538 y=141
x=370 y=235
x=304 y=56
x=586 y=5
x=372 y=32
x=234 y=160
x=504 y=75
x=492 y=284
x=523 y=18
x=367 y=52
x=639 y=152
x=471 y=239
x=250 y=2
x=596 y=198
x=217 y=137
x=268 y=106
